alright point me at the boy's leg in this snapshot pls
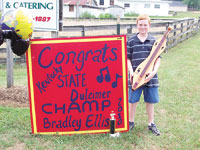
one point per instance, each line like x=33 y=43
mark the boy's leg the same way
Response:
x=134 y=97
x=150 y=112
x=132 y=108
x=151 y=97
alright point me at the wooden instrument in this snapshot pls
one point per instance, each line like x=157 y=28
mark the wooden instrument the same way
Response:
x=147 y=65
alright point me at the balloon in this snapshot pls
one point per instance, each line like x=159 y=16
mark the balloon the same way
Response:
x=20 y=21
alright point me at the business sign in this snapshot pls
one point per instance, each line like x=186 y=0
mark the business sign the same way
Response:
x=45 y=13
x=75 y=84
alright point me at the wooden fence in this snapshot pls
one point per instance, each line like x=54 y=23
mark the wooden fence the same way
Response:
x=181 y=29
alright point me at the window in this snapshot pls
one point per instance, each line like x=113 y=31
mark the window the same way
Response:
x=157 y=6
x=146 y=5
x=101 y=2
x=71 y=8
x=111 y=2
x=126 y=5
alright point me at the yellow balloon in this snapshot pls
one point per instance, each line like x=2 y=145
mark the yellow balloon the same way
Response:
x=23 y=23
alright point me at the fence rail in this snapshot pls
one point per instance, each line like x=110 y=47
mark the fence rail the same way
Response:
x=182 y=29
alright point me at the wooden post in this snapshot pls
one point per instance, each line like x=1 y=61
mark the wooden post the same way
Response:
x=187 y=34
x=174 y=40
x=191 y=28
x=199 y=23
x=167 y=43
x=83 y=31
x=197 y=26
x=54 y=34
x=118 y=25
x=9 y=64
x=60 y=15
x=181 y=31
x=129 y=30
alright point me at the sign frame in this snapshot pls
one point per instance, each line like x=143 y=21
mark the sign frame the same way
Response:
x=45 y=16
x=33 y=107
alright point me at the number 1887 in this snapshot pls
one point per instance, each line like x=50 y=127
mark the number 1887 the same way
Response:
x=43 y=19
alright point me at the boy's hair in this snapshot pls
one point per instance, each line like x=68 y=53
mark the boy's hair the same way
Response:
x=143 y=17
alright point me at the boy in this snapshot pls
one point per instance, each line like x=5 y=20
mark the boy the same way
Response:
x=138 y=49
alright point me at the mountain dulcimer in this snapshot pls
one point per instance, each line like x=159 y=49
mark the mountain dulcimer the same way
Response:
x=142 y=71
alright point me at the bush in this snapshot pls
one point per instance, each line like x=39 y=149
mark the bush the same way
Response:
x=87 y=15
x=130 y=14
x=106 y=16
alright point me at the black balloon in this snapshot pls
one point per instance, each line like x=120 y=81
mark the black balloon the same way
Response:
x=18 y=45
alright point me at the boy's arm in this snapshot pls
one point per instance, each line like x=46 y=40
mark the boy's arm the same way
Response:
x=154 y=71
x=130 y=69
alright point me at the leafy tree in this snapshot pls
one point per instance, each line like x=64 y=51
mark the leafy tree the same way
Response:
x=192 y=3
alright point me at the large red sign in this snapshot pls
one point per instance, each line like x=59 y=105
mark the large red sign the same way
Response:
x=75 y=83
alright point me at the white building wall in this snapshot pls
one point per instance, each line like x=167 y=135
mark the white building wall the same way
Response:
x=135 y=7
x=115 y=12
x=67 y=13
x=106 y=3
x=139 y=7
x=92 y=11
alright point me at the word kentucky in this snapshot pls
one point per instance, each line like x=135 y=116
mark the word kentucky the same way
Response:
x=49 y=78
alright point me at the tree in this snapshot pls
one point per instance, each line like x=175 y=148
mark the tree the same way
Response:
x=192 y=3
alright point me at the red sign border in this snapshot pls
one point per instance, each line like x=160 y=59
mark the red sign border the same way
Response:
x=121 y=38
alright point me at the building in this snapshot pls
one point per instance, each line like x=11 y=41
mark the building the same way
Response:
x=74 y=8
x=115 y=10
x=178 y=6
x=150 y=7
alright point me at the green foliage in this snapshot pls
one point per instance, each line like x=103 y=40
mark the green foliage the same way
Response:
x=130 y=14
x=106 y=16
x=192 y=3
x=87 y=15
x=20 y=75
x=189 y=14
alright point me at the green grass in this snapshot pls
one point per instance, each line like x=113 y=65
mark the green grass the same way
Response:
x=189 y=14
x=20 y=75
x=177 y=114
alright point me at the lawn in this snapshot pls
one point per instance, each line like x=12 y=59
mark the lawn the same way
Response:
x=188 y=14
x=191 y=14
x=177 y=114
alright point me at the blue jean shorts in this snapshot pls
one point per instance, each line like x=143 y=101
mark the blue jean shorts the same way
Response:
x=150 y=94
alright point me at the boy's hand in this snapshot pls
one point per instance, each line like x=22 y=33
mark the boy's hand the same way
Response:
x=131 y=78
x=149 y=76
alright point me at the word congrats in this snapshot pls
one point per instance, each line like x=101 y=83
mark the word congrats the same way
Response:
x=75 y=83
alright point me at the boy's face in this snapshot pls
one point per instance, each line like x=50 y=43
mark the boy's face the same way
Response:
x=143 y=26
